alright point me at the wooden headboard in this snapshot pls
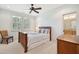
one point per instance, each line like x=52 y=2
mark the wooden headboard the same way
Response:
x=48 y=28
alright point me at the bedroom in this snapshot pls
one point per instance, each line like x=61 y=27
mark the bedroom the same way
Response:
x=50 y=15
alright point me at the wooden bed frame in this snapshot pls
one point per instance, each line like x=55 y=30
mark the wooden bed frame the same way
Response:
x=24 y=40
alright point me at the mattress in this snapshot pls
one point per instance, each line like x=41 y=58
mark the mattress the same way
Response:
x=36 y=37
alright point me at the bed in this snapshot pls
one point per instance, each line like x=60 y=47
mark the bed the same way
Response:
x=30 y=40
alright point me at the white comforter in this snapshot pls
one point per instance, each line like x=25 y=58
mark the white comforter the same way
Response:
x=36 y=37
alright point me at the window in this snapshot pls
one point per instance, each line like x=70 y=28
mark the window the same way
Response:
x=23 y=23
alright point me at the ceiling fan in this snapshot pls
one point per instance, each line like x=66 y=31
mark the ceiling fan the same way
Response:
x=32 y=8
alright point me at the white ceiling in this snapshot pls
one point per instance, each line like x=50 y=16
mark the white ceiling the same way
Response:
x=24 y=7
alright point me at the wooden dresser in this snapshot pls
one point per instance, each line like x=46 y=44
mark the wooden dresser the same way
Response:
x=68 y=44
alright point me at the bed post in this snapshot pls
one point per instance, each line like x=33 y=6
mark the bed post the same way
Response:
x=50 y=33
x=23 y=40
x=26 y=47
x=19 y=37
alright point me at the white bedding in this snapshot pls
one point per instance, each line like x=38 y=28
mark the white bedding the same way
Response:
x=35 y=37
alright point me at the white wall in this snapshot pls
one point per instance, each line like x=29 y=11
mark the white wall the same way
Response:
x=54 y=18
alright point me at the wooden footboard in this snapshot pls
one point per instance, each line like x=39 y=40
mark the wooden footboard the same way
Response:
x=23 y=40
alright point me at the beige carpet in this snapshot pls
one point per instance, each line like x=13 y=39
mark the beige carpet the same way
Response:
x=16 y=48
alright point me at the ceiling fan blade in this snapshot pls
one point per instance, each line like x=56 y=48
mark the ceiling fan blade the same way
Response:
x=30 y=11
x=36 y=11
x=38 y=8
